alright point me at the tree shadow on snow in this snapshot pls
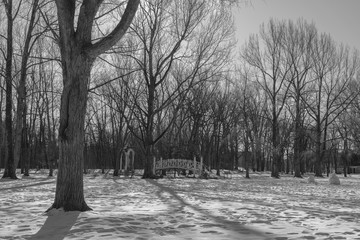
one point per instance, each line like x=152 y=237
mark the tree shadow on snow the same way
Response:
x=224 y=223
x=56 y=227
x=39 y=183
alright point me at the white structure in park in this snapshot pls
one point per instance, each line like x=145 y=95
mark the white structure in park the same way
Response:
x=129 y=161
x=186 y=164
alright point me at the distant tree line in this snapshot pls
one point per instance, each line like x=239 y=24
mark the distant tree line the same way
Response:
x=176 y=86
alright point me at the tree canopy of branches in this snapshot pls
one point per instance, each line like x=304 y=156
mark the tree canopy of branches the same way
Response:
x=300 y=68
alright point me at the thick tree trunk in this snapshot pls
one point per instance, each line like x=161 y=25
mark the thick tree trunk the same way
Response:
x=275 y=165
x=297 y=155
x=148 y=168
x=287 y=169
x=69 y=188
x=318 y=153
x=318 y=162
x=149 y=141
x=21 y=101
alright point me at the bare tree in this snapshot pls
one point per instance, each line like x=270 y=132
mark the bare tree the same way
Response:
x=78 y=53
x=266 y=54
x=245 y=108
x=196 y=118
x=178 y=44
x=333 y=70
x=298 y=42
x=116 y=95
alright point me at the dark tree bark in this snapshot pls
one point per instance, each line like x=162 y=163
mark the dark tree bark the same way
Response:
x=247 y=155
x=78 y=54
x=10 y=168
x=2 y=130
x=149 y=139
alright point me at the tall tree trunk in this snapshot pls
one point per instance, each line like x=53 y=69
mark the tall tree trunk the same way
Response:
x=217 y=158
x=287 y=169
x=148 y=168
x=247 y=153
x=236 y=154
x=50 y=147
x=318 y=157
x=10 y=168
x=297 y=140
x=69 y=187
x=149 y=141
x=345 y=154
x=275 y=146
x=115 y=144
x=25 y=156
x=2 y=131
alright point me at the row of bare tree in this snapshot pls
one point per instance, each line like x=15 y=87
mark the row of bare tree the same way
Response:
x=171 y=88
x=310 y=83
x=27 y=87
x=290 y=105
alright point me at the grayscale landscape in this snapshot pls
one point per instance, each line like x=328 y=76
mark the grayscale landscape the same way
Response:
x=179 y=119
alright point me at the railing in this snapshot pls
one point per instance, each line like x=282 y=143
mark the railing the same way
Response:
x=186 y=164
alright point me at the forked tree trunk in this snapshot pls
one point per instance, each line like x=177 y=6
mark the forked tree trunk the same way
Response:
x=77 y=56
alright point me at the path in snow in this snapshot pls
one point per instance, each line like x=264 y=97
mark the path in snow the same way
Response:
x=183 y=208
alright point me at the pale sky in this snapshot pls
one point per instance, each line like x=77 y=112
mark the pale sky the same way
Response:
x=340 y=18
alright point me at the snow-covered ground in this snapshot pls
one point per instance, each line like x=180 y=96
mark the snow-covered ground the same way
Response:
x=184 y=208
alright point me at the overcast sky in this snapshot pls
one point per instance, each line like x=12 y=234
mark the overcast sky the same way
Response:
x=340 y=18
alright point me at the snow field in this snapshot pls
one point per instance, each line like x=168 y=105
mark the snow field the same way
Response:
x=185 y=208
